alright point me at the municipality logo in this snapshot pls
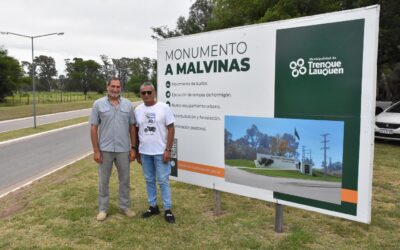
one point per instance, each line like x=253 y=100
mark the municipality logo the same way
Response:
x=322 y=66
x=297 y=67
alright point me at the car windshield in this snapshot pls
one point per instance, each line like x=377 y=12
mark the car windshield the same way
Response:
x=394 y=108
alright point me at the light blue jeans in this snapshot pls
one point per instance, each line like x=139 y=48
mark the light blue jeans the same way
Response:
x=154 y=167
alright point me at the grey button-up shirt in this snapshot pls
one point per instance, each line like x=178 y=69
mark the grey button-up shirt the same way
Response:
x=113 y=123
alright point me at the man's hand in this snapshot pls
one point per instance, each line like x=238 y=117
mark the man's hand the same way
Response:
x=98 y=157
x=139 y=159
x=132 y=155
x=167 y=156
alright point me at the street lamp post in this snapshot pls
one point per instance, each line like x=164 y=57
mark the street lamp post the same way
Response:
x=33 y=67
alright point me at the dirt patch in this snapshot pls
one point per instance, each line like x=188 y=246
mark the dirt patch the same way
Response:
x=13 y=203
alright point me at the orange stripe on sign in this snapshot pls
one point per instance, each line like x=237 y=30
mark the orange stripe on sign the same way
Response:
x=202 y=169
x=349 y=195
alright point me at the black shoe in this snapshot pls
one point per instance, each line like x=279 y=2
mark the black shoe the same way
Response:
x=169 y=217
x=151 y=211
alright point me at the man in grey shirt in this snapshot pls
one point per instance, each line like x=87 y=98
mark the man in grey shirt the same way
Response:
x=113 y=132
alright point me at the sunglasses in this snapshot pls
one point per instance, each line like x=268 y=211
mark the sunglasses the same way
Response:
x=146 y=92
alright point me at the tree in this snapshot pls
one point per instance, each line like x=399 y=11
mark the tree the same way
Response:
x=228 y=137
x=10 y=73
x=253 y=136
x=232 y=13
x=153 y=73
x=122 y=69
x=199 y=14
x=86 y=74
x=140 y=72
x=291 y=146
x=206 y=15
x=107 y=69
x=45 y=67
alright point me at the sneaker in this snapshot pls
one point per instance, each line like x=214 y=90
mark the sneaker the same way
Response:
x=151 y=211
x=101 y=216
x=128 y=212
x=169 y=217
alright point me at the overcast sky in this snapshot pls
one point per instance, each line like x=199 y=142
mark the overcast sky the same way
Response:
x=117 y=28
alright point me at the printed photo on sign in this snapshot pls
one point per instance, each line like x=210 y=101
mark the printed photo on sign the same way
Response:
x=292 y=156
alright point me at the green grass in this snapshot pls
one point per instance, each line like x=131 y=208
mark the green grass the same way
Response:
x=240 y=163
x=14 y=112
x=292 y=174
x=317 y=176
x=58 y=212
x=39 y=129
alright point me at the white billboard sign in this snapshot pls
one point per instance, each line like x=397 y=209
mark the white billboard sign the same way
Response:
x=280 y=111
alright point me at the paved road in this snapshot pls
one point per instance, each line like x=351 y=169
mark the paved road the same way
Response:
x=316 y=190
x=28 y=159
x=27 y=122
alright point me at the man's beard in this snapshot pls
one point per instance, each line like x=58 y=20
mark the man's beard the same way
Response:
x=111 y=94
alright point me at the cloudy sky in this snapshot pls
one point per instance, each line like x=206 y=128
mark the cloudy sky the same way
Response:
x=117 y=28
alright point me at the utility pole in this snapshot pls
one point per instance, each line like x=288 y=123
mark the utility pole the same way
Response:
x=303 y=158
x=325 y=148
x=33 y=67
x=310 y=156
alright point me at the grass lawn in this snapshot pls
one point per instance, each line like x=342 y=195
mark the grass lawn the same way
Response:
x=240 y=163
x=279 y=173
x=291 y=174
x=41 y=128
x=58 y=212
x=13 y=112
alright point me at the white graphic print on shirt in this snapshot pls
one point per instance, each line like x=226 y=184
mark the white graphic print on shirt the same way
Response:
x=150 y=120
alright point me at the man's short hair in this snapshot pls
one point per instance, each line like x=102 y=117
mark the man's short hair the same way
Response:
x=147 y=84
x=113 y=79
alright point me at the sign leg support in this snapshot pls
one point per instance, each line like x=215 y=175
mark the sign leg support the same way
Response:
x=217 y=202
x=278 y=218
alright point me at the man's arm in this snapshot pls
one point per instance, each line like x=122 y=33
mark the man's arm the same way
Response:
x=170 y=142
x=95 y=144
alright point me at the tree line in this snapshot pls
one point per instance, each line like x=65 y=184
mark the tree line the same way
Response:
x=208 y=15
x=254 y=141
x=80 y=75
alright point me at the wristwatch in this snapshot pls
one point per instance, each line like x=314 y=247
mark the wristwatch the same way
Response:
x=134 y=148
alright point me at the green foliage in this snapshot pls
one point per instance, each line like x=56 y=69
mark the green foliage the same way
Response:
x=199 y=14
x=232 y=13
x=45 y=68
x=220 y=14
x=142 y=70
x=254 y=141
x=122 y=69
x=10 y=73
x=85 y=74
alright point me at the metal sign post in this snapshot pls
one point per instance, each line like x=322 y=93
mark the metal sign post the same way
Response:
x=217 y=202
x=278 y=218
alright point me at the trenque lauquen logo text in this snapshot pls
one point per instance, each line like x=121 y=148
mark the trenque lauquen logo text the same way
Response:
x=317 y=66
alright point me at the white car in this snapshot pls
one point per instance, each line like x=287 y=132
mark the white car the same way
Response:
x=387 y=123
